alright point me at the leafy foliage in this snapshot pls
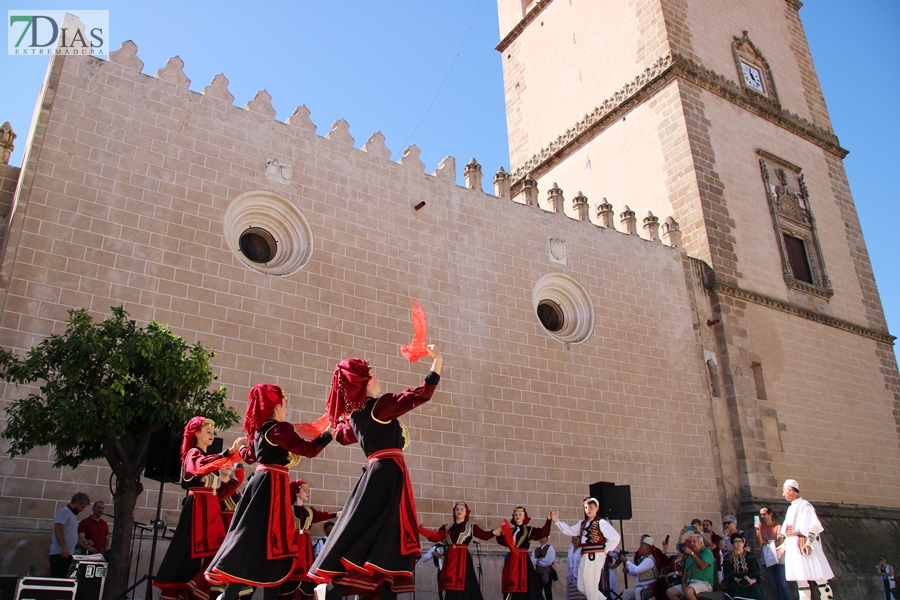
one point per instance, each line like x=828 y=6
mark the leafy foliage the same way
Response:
x=102 y=383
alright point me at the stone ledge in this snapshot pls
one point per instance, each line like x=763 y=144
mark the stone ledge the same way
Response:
x=665 y=69
x=521 y=25
x=717 y=287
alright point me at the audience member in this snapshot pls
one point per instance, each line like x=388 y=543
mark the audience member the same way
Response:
x=65 y=535
x=542 y=558
x=769 y=537
x=643 y=568
x=714 y=542
x=698 y=571
x=573 y=559
x=329 y=525
x=886 y=572
x=741 y=571
x=93 y=531
x=730 y=525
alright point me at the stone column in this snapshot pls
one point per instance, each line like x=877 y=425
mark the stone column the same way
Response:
x=605 y=214
x=472 y=174
x=651 y=226
x=580 y=202
x=501 y=183
x=555 y=197
x=531 y=191
x=629 y=221
x=671 y=232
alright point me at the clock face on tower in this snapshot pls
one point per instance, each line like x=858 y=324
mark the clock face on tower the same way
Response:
x=752 y=78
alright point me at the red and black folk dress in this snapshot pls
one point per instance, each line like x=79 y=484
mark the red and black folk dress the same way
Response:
x=230 y=502
x=376 y=540
x=200 y=529
x=260 y=548
x=457 y=579
x=303 y=587
x=518 y=580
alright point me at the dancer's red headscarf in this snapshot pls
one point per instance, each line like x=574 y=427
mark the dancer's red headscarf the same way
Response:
x=348 y=389
x=262 y=399
x=520 y=509
x=191 y=430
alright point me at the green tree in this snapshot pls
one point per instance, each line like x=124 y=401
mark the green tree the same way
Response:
x=104 y=389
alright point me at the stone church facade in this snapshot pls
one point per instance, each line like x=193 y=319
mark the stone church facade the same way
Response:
x=669 y=289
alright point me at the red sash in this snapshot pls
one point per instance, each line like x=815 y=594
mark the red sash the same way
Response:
x=409 y=527
x=207 y=528
x=515 y=569
x=282 y=533
x=453 y=575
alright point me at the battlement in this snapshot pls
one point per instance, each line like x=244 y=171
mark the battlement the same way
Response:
x=169 y=89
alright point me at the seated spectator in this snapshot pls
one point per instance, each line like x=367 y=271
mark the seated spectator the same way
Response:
x=643 y=568
x=698 y=571
x=741 y=571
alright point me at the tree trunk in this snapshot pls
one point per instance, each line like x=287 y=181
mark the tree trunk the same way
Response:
x=127 y=491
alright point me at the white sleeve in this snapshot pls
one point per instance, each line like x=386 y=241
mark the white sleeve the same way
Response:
x=551 y=556
x=609 y=532
x=569 y=530
x=809 y=521
x=646 y=564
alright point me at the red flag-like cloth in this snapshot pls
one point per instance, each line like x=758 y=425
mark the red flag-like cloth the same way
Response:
x=514 y=578
x=310 y=431
x=416 y=348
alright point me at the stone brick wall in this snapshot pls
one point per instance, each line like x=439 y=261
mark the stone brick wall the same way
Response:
x=126 y=206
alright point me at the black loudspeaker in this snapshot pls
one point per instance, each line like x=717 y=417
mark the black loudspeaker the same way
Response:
x=623 y=503
x=615 y=500
x=164 y=457
x=605 y=493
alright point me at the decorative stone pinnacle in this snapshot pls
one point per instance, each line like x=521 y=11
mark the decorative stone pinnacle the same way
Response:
x=555 y=197
x=472 y=174
x=629 y=221
x=605 y=214
x=580 y=202
x=7 y=136
x=501 y=183
x=651 y=226
x=531 y=191
x=672 y=233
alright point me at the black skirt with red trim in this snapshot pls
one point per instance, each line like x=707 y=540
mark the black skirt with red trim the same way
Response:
x=244 y=555
x=364 y=550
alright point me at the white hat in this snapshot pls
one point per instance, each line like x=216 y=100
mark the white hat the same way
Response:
x=791 y=483
x=647 y=540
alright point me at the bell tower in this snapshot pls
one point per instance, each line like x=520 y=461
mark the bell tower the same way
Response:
x=712 y=112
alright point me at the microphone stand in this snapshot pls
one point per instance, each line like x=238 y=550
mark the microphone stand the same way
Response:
x=480 y=574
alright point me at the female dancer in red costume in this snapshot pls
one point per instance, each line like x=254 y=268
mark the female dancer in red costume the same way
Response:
x=457 y=579
x=260 y=548
x=374 y=546
x=298 y=586
x=200 y=528
x=230 y=502
x=519 y=581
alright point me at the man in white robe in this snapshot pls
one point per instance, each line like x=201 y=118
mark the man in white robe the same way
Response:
x=804 y=559
x=593 y=548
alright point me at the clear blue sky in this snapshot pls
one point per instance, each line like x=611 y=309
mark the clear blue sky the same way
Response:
x=379 y=64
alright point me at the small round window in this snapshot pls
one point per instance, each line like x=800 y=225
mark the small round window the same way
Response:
x=268 y=233
x=258 y=245
x=563 y=307
x=551 y=315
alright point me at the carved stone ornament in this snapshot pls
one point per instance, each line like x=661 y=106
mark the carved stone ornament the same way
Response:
x=754 y=72
x=558 y=250
x=277 y=171
x=789 y=206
